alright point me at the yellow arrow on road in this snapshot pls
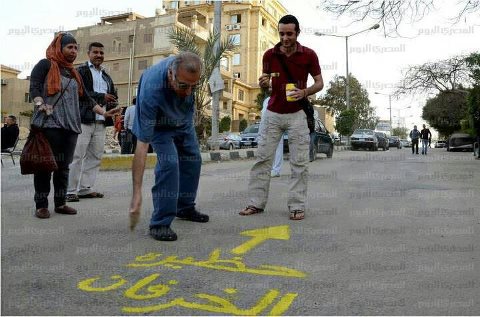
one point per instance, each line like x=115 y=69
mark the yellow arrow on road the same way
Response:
x=260 y=235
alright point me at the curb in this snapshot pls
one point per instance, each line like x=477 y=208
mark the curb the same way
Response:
x=118 y=162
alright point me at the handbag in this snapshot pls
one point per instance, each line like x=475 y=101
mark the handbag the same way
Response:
x=37 y=155
x=304 y=102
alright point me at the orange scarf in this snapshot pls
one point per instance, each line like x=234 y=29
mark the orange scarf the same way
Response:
x=56 y=58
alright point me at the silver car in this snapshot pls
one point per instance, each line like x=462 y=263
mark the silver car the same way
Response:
x=226 y=141
x=364 y=138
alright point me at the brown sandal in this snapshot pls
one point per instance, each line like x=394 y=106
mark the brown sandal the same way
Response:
x=297 y=215
x=250 y=210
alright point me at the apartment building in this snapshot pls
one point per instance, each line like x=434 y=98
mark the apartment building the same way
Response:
x=134 y=42
x=15 y=95
x=252 y=25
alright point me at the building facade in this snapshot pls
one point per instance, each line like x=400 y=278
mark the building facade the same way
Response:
x=15 y=96
x=133 y=43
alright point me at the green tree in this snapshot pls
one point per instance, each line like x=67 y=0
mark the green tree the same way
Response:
x=224 y=125
x=345 y=122
x=445 y=111
x=401 y=132
x=335 y=102
x=243 y=124
x=184 y=39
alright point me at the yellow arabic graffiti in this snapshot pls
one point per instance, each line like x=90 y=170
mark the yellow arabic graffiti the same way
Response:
x=214 y=262
x=208 y=302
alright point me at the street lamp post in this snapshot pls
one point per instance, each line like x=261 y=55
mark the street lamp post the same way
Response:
x=389 y=107
x=347 y=80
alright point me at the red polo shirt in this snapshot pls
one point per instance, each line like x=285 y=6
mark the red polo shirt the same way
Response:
x=301 y=63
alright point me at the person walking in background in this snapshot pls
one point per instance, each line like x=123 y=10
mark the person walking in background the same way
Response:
x=10 y=132
x=164 y=118
x=314 y=137
x=283 y=115
x=414 y=136
x=91 y=142
x=128 y=122
x=56 y=87
x=277 y=162
x=426 y=135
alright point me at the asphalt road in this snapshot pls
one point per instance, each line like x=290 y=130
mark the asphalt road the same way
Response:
x=386 y=233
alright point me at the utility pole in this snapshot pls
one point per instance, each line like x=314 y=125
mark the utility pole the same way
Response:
x=216 y=81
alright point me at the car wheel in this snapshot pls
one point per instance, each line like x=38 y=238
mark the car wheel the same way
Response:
x=230 y=147
x=330 y=152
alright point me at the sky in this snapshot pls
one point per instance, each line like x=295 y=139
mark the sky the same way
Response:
x=377 y=61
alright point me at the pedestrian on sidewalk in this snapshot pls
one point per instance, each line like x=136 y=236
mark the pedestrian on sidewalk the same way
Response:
x=414 y=136
x=131 y=142
x=91 y=142
x=288 y=59
x=164 y=118
x=426 y=135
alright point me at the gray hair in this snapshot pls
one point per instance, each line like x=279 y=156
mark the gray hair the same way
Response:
x=188 y=61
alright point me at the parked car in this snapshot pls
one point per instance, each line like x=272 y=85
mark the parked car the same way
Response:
x=323 y=142
x=249 y=135
x=406 y=143
x=364 y=138
x=394 y=141
x=440 y=144
x=226 y=141
x=382 y=140
x=460 y=142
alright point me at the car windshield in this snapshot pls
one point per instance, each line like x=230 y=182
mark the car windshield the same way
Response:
x=251 y=129
x=363 y=131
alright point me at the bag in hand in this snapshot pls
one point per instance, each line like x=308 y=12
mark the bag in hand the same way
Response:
x=308 y=109
x=37 y=155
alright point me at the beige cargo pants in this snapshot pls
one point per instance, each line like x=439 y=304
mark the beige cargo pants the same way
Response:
x=270 y=132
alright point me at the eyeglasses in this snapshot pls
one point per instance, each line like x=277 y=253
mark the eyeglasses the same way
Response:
x=184 y=86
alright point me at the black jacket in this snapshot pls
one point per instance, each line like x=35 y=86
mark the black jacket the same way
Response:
x=9 y=135
x=86 y=112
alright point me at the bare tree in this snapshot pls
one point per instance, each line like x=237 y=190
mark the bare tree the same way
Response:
x=442 y=76
x=392 y=13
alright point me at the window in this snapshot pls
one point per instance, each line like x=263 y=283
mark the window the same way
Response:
x=130 y=39
x=117 y=44
x=27 y=97
x=236 y=59
x=225 y=105
x=147 y=38
x=236 y=75
x=116 y=67
x=142 y=64
x=174 y=5
x=264 y=22
x=236 y=18
x=234 y=38
x=226 y=87
x=240 y=95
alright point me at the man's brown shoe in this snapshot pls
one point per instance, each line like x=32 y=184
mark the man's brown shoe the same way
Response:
x=65 y=210
x=42 y=213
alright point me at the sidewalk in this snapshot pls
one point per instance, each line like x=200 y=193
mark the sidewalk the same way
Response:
x=116 y=162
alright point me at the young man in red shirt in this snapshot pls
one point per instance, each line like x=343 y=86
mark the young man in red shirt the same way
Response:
x=284 y=115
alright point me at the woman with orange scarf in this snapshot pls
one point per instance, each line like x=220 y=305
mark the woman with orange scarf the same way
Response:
x=56 y=87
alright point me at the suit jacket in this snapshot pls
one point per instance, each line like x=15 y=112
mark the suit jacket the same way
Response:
x=86 y=112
